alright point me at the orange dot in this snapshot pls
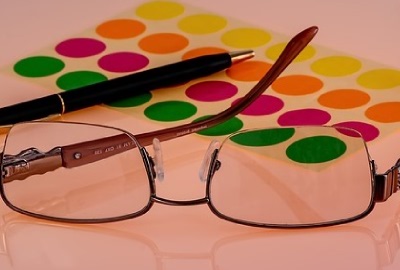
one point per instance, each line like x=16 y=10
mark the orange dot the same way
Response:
x=344 y=99
x=248 y=71
x=120 y=29
x=386 y=112
x=163 y=43
x=296 y=85
x=202 y=51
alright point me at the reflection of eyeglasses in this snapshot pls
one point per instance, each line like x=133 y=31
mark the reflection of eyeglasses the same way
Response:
x=321 y=168
x=349 y=247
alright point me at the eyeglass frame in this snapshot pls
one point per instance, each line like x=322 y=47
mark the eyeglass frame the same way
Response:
x=383 y=185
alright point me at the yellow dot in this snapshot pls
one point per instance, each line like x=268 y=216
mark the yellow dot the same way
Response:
x=202 y=24
x=274 y=52
x=336 y=66
x=246 y=38
x=380 y=79
x=159 y=10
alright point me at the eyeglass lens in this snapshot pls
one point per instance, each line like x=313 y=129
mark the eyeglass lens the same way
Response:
x=292 y=176
x=110 y=187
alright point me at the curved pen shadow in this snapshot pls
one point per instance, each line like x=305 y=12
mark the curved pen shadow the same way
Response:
x=49 y=245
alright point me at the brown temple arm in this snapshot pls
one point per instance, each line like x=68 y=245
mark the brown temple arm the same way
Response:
x=97 y=149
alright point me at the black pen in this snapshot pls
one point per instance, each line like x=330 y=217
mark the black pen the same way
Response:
x=120 y=88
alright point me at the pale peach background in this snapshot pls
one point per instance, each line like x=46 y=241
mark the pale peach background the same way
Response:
x=192 y=238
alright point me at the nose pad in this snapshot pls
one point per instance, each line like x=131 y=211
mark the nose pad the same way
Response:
x=158 y=160
x=205 y=165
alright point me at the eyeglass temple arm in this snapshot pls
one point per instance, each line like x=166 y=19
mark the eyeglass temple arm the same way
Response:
x=292 y=49
x=73 y=155
x=387 y=183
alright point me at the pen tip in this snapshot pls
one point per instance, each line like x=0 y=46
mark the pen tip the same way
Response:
x=240 y=56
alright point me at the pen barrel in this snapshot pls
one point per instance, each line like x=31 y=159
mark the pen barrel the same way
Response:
x=115 y=89
x=145 y=81
x=31 y=110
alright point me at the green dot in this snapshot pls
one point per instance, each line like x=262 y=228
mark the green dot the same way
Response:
x=132 y=101
x=317 y=149
x=77 y=79
x=232 y=125
x=263 y=137
x=168 y=111
x=38 y=66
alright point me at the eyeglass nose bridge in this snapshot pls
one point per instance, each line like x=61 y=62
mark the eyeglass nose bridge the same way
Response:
x=170 y=202
x=209 y=165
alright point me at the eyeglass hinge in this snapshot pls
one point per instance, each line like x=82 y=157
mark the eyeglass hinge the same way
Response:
x=29 y=162
x=387 y=183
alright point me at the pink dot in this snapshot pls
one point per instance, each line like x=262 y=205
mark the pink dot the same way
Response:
x=211 y=91
x=368 y=132
x=304 y=117
x=80 y=47
x=123 y=62
x=264 y=105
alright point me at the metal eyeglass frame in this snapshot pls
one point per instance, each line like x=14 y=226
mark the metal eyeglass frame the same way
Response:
x=384 y=184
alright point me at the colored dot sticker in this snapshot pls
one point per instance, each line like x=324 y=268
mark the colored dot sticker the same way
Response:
x=160 y=10
x=380 y=79
x=316 y=149
x=163 y=43
x=232 y=125
x=132 y=102
x=367 y=131
x=263 y=137
x=80 y=47
x=202 y=51
x=246 y=38
x=263 y=105
x=211 y=91
x=120 y=29
x=336 y=66
x=38 y=66
x=296 y=85
x=248 y=71
x=200 y=24
x=77 y=79
x=123 y=62
x=304 y=117
x=386 y=112
x=344 y=99
x=169 y=111
x=273 y=52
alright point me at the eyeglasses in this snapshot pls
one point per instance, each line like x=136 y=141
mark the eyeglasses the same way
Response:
x=273 y=177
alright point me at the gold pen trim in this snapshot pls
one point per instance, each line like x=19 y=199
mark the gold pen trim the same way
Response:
x=62 y=104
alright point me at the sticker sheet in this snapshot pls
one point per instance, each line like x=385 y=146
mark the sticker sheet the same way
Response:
x=321 y=87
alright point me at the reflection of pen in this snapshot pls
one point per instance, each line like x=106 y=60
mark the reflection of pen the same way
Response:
x=120 y=88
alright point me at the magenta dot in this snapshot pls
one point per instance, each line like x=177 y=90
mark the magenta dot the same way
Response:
x=80 y=47
x=264 y=105
x=123 y=62
x=211 y=91
x=304 y=117
x=368 y=132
